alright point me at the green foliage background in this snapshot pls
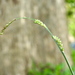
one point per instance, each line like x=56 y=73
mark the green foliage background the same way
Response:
x=70 y=1
x=51 y=69
x=71 y=16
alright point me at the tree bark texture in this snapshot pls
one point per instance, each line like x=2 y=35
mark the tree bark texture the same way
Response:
x=24 y=41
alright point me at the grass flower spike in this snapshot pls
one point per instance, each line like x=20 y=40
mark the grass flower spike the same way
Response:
x=1 y=33
x=40 y=23
x=58 y=42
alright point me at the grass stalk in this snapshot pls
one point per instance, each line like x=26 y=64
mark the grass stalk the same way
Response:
x=55 y=38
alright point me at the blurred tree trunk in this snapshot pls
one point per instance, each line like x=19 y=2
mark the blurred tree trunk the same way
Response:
x=24 y=40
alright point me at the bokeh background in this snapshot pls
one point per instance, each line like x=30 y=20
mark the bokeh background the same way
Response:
x=27 y=48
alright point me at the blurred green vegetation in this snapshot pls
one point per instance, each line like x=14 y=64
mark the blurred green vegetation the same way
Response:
x=70 y=4
x=49 y=69
x=70 y=1
x=52 y=69
x=73 y=56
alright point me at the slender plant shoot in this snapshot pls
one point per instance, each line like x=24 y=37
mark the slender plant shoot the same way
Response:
x=55 y=38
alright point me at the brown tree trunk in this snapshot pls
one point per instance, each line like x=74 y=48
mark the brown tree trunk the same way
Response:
x=24 y=41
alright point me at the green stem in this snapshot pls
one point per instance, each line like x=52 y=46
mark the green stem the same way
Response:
x=61 y=52
x=8 y=24
x=67 y=62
